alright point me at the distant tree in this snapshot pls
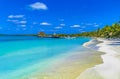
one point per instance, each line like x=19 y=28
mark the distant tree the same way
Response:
x=42 y=34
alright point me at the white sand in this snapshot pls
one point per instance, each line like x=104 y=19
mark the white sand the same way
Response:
x=110 y=69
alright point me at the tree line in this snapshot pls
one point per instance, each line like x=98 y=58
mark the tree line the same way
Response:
x=112 y=31
x=109 y=31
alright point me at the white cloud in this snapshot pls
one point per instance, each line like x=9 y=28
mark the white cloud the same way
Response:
x=38 y=6
x=62 y=24
x=75 y=26
x=58 y=27
x=22 y=22
x=96 y=25
x=17 y=21
x=13 y=21
x=92 y=24
x=16 y=16
x=45 y=24
x=23 y=25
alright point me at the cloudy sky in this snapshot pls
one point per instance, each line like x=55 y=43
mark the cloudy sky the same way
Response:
x=56 y=16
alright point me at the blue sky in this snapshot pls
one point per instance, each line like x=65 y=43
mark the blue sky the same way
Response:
x=56 y=16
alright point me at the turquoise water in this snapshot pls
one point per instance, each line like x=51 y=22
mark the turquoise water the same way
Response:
x=20 y=54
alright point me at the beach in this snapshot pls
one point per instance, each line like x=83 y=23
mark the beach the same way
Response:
x=69 y=67
x=110 y=68
x=60 y=39
x=43 y=58
x=78 y=58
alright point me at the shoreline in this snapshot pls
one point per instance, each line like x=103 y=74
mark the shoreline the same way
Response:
x=64 y=66
x=69 y=67
x=110 y=68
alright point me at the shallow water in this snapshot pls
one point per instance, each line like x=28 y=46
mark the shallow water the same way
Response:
x=20 y=56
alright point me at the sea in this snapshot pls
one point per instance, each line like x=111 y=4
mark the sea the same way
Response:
x=22 y=55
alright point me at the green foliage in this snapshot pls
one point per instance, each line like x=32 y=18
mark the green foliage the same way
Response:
x=112 y=31
x=42 y=34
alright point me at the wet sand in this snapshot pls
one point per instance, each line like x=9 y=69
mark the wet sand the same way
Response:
x=69 y=67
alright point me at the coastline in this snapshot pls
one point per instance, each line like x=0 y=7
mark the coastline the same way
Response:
x=64 y=66
x=70 y=66
x=110 y=68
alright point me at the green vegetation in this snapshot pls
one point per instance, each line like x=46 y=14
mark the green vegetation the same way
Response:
x=42 y=34
x=112 y=31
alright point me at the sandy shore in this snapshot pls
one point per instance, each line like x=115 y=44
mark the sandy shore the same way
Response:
x=69 y=67
x=110 y=68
